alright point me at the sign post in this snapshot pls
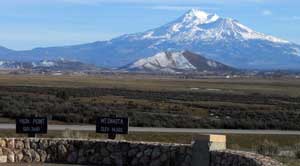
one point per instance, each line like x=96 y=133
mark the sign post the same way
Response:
x=112 y=125
x=31 y=125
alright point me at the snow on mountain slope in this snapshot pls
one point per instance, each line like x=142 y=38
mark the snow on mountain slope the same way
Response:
x=164 y=60
x=199 y=25
x=176 y=62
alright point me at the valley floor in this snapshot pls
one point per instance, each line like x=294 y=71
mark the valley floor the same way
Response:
x=151 y=101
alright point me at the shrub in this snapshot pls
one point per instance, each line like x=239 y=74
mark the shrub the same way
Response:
x=235 y=147
x=297 y=150
x=63 y=95
x=297 y=154
x=267 y=148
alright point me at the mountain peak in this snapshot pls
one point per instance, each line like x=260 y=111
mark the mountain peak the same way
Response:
x=198 y=13
x=201 y=17
x=197 y=25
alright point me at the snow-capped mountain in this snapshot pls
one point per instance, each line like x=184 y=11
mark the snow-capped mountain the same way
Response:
x=197 y=25
x=222 y=39
x=172 y=62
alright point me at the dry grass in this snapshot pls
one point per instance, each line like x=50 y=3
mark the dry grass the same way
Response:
x=275 y=86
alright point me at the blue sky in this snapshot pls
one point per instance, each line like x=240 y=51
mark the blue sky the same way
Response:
x=26 y=24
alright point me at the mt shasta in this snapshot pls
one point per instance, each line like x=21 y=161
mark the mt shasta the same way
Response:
x=222 y=39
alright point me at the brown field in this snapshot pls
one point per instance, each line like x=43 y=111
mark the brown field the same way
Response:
x=290 y=87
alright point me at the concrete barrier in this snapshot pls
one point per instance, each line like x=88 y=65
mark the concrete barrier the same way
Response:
x=202 y=145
